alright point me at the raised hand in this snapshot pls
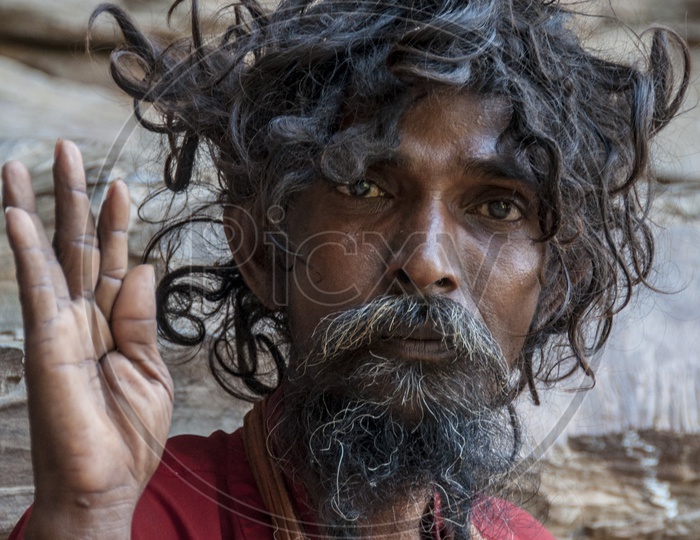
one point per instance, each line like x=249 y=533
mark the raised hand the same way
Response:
x=99 y=396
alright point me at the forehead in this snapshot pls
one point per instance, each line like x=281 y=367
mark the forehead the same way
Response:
x=452 y=118
x=459 y=131
x=462 y=108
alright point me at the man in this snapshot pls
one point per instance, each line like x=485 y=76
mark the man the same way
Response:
x=423 y=201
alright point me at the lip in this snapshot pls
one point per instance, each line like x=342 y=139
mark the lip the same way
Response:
x=425 y=332
x=414 y=349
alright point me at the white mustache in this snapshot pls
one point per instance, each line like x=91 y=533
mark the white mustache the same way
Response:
x=387 y=317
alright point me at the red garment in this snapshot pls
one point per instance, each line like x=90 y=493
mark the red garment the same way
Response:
x=205 y=490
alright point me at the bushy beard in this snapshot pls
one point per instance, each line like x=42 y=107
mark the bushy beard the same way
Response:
x=365 y=430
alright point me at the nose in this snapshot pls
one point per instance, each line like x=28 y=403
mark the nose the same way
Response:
x=426 y=261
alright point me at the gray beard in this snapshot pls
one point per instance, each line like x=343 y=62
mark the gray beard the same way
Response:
x=365 y=431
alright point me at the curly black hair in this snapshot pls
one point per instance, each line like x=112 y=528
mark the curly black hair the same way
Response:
x=266 y=100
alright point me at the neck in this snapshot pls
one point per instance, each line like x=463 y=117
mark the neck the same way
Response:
x=402 y=521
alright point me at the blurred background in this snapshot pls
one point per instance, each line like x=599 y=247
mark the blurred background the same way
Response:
x=619 y=461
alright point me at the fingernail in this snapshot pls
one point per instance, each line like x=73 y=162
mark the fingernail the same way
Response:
x=57 y=148
x=113 y=185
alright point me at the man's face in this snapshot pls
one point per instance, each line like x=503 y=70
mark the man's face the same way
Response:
x=453 y=214
x=411 y=294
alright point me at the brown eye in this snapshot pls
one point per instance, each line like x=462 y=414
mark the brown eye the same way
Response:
x=363 y=188
x=502 y=210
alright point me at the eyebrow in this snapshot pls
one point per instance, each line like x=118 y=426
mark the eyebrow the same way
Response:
x=500 y=166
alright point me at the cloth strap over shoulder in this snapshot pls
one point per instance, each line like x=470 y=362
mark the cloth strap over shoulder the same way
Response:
x=267 y=476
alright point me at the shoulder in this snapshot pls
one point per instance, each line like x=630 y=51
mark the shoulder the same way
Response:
x=497 y=519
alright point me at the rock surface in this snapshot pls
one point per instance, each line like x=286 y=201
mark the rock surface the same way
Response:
x=621 y=461
x=42 y=22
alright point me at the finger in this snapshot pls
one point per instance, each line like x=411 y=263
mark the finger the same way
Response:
x=17 y=192
x=112 y=228
x=33 y=275
x=134 y=316
x=75 y=239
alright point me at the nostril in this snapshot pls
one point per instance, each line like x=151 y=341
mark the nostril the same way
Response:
x=442 y=282
x=403 y=277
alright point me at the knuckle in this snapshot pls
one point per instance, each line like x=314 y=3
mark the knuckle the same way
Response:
x=113 y=275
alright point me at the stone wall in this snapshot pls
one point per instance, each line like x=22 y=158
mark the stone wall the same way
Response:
x=620 y=461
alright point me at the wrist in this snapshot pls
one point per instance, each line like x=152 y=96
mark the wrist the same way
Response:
x=82 y=517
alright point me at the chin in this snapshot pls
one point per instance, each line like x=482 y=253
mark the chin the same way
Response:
x=359 y=458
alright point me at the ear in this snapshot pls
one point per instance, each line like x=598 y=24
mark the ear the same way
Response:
x=245 y=237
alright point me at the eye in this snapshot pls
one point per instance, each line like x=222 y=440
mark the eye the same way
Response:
x=362 y=188
x=502 y=210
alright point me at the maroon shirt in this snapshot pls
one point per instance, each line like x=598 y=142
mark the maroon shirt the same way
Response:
x=204 y=490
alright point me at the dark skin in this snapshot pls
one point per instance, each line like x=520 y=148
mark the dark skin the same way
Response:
x=448 y=217
x=438 y=221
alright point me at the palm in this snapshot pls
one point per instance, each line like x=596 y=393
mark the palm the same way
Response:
x=99 y=395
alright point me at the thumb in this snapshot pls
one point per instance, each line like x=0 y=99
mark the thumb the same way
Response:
x=134 y=316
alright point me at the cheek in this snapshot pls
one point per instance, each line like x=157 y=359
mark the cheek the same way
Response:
x=332 y=272
x=510 y=298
